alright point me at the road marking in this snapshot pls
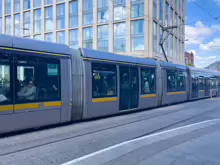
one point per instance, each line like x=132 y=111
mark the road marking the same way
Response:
x=213 y=121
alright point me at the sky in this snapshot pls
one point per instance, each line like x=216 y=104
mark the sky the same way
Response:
x=202 y=31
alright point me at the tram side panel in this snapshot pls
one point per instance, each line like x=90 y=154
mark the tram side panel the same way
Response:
x=48 y=105
x=174 y=90
x=100 y=89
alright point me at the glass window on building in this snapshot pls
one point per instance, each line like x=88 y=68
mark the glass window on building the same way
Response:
x=27 y=4
x=120 y=37
x=37 y=3
x=166 y=43
x=161 y=11
x=59 y=0
x=37 y=21
x=49 y=37
x=61 y=37
x=155 y=8
x=137 y=29
x=103 y=38
x=161 y=36
x=17 y=5
x=119 y=9
x=171 y=45
x=0 y=8
x=174 y=48
x=8 y=25
x=27 y=23
x=0 y=25
x=88 y=12
x=73 y=15
x=177 y=50
x=167 y=14
x=155 y=36
x=88 y=37
x=61 y=16
x=7 y=6
x=137 y=8
x=48 y=20
x=171 y=17
x=102 y=11
x=48 y=2
x=183 y=4
x=17 y=25
x=38 y=37
x=73 y=41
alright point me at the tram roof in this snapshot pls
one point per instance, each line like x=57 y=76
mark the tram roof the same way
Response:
x=171 y=65
x=94 y=54
x=33 y=45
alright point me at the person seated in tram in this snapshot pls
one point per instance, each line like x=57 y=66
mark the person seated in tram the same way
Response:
x=146 y=86
x=110 y=91
x=29 y=93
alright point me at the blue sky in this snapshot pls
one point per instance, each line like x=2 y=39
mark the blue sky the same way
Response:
x=204 y=34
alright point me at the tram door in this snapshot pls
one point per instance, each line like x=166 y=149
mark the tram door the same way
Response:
x=195 y=87
x=207 y=86
x=129 y=88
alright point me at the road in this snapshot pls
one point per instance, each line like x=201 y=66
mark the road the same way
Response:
x=62 y=144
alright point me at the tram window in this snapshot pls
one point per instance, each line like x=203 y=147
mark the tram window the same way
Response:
x=104 y=80
x=148 y=81
x=180 y=80
x=171 y=81
x=175 y=80
x=201 y=82
x=38 y=79
x=5 y=85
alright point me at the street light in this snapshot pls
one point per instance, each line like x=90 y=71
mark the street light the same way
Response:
x=162 y=40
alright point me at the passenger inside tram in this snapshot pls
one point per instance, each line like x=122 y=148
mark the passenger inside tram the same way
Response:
x=30 y=93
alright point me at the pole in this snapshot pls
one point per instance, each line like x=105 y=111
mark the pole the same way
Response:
x=164 y=53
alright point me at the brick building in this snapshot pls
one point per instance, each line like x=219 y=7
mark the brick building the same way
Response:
x=189 y=58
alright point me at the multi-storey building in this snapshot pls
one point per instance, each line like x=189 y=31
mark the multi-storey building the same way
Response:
x=130 y=27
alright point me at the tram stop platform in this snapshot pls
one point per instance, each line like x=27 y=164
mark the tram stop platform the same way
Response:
x=195 y=144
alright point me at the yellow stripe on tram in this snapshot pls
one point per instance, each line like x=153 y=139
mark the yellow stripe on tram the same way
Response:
x=31 y=51
x=52 y=104
x=26 y=106
x=6 y=108
x=148 y=96
x=176 y=93
x=108 y=99
x=201 y=90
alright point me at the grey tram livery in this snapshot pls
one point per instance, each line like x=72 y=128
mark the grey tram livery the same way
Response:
x=44 y=83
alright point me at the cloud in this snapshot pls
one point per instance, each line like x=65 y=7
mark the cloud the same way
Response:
x=213 y=46
x=197 y=33
x=202 y=62
x=217 y=2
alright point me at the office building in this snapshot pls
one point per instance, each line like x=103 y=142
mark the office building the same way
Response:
x=129 y=27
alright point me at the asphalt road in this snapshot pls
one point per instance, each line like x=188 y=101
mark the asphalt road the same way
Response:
x=59 y=145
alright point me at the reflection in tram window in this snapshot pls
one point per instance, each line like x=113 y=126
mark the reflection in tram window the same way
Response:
x=38 y=79
x=181 y=80
x=213 y=82
x=103 y=80
x=171 y=80
x=175 y=80
x=201 y=82
x=5 y=96
x=148 y=81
